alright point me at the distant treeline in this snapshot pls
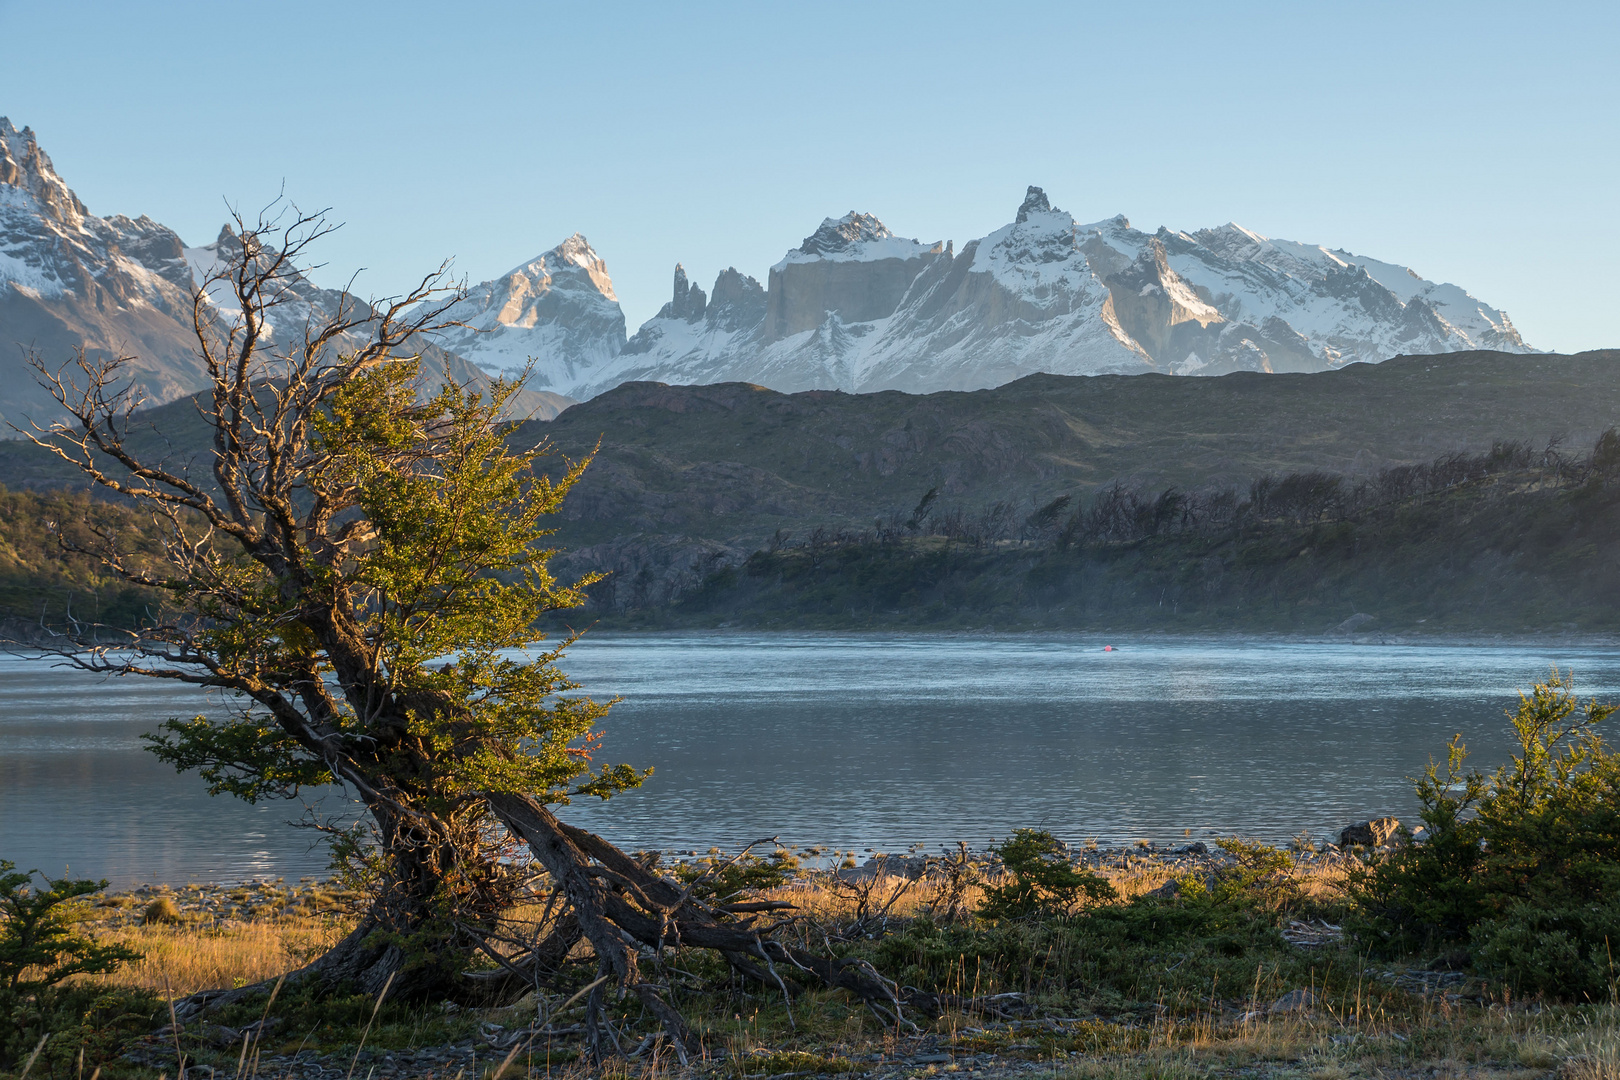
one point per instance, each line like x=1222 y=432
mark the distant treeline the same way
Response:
x=1514 y=539
x=1120 y=511
x=46 y=583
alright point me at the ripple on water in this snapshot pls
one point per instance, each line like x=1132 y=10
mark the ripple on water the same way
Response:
x=851 y=740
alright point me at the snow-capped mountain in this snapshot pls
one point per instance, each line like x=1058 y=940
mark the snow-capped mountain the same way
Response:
x=117 y=286
x=558 y=307
x=855 y=307
x=69 y=279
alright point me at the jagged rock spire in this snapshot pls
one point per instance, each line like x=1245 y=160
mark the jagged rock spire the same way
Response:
x=1035 y=202
x=24 y=165
x=689 y=300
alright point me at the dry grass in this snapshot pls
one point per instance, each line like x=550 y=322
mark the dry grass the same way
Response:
x=825 y=897
x=1336 y=1041
x=191 y=958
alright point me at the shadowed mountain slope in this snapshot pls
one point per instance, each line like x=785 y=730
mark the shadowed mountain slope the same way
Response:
x=736 y=462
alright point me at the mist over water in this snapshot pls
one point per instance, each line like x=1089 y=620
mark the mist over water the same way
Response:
x=854 y=741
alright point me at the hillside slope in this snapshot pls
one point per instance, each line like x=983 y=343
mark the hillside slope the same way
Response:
x=691 y=479
x=1508 y=555
x=739 y=461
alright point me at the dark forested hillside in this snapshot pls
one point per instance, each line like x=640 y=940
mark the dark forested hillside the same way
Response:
x=41 y=583
x=736 y=461
x=1511 y=541
x=690 y=481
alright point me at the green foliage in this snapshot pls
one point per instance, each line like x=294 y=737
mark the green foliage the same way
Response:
x=1523 y=864
x=1260 y=877
x=250 y=758
x=39 y=951
x=1113 y=958
x=449 y=581
x=1044 y=880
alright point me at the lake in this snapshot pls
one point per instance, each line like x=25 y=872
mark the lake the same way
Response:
x=855 y=741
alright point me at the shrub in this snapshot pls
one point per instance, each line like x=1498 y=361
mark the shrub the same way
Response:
x=39 y=951
x=1260 y=877
x=1523 y=865
x=1044 y=882
x=161 y=910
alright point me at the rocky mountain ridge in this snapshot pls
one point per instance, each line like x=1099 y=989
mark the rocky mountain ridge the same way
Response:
x=858 y=309
x=120 y=286
x=853 y=307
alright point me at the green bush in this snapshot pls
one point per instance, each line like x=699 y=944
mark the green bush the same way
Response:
x=1523 y=866
x=1044 y=881
x=1260 y=877
x=39 y=952
x=1218 y=938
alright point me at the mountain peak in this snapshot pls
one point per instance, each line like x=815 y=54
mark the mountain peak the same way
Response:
x=1035 y=202
x=24 y=165
x=841 y=234
x=577 y=251
x=689 y=300
x=571 y=264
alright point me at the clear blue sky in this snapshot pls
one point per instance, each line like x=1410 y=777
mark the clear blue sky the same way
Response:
x=1476 y=142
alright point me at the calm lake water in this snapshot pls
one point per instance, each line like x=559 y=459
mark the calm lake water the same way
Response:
x=857 y=741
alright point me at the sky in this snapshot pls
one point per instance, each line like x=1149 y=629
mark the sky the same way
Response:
x=1478 y=143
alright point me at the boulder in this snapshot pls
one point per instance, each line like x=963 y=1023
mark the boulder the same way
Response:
x=1295 y=1001
x=886 y=866
x=1376 y=832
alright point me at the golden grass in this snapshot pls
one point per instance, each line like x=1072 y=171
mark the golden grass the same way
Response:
x=824 y=897
x=195 y=953
x=187 y=958
x=1336 y=1041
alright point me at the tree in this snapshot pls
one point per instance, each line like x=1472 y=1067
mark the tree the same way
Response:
x=1521 y=866
x=352 y=560
x=358 y=559
x=39 y=951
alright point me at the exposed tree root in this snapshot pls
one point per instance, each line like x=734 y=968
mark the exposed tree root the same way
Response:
x=629 y=914
x=626 y=911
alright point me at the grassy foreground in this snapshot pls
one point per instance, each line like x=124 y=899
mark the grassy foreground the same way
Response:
x=1257 y=982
